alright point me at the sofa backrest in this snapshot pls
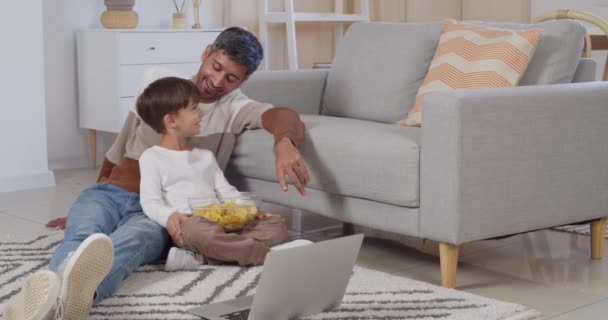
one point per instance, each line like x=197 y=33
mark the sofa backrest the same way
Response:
x=557 y=54
x=301 y=90
x=378 y=67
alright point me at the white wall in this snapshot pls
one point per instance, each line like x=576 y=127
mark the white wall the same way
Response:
x=68 y=145
x=23 y=163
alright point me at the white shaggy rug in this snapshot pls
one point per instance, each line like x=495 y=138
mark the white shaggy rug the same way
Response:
x=151 y=293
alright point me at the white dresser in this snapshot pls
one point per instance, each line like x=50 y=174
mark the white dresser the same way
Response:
x=111 y=64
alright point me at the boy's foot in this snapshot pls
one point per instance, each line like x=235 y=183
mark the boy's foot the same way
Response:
x=82 y=272
x=291 y=244
x=38 y=299
x=181 y=259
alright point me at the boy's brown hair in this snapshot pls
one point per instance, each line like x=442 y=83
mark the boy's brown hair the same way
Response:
x=165 y=96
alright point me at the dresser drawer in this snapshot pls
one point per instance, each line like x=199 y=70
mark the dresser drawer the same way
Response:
x=163 y=47
x=131 y=76
x=112 y=62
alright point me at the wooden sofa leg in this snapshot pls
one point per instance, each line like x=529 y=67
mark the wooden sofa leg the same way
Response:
x=598 y=232
x=448 y=258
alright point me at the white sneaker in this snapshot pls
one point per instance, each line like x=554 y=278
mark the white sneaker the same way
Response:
x=82 y=272
x=181 y=259
x=291 y=244
x=38 y=299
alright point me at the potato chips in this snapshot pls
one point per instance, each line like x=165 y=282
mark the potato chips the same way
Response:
x=229 y=214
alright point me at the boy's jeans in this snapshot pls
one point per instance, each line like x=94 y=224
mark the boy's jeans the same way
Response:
x=137 y=240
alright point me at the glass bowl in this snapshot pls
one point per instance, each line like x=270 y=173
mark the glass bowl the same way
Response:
x=231 y=211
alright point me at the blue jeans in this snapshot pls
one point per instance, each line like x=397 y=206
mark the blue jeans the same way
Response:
x=137 y=240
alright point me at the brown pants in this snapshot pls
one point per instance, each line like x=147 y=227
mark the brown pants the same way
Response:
x=245 y=247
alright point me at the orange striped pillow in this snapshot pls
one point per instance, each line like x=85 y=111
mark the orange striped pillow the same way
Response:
x=471 y=56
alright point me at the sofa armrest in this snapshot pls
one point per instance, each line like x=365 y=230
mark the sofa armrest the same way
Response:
x=503 y=161
x=301 y=90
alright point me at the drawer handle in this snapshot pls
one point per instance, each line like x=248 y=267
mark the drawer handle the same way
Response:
x=151 y=49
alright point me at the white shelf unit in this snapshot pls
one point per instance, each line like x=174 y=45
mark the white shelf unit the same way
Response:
x=111 y=64
x=289 y=17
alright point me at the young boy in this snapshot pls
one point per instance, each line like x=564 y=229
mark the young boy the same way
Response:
x=173 y=171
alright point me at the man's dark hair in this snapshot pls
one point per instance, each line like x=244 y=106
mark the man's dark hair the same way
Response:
x=241 y=46
x=165 y=96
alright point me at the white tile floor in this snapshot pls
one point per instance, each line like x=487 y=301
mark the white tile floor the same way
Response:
x=546 y=270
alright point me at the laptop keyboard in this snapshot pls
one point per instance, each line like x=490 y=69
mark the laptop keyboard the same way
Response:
x=238 y=315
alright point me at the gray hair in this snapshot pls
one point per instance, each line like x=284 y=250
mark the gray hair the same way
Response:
x=241 y=46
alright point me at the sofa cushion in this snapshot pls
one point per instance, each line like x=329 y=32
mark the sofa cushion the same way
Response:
x=378 y=68
x=558 y=52
x=361 y=159
x=471 y=56
x=585 y=71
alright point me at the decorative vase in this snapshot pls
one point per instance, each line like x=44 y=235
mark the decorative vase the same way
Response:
x=119 y=19
x=179 y=20
x=120 y=14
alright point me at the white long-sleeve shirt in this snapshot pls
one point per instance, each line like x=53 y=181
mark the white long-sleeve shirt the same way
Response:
x=170 y=177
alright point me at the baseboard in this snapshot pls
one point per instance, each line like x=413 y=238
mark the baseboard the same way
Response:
x=32 y=181
x=68 y=163
x=77 y=162
x=59 y=161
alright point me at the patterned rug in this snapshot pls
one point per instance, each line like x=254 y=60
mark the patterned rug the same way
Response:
x=151 y=293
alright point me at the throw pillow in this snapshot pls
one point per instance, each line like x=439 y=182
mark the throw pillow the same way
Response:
x=473 y=56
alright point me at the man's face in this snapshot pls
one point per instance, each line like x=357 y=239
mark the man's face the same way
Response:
x=218 y=75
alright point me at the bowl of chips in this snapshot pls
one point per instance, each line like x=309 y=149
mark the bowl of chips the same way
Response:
x=231 y=211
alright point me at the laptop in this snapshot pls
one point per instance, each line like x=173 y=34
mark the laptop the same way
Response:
x=295 y=282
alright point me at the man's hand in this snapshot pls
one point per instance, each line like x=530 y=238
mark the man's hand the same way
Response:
x=57 y=224
x=289 y=163
x=174 y=227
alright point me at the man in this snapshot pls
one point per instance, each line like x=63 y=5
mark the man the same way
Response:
x=111 y=207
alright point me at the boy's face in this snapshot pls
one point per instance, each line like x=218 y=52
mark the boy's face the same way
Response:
x=218 y=75
x=187 y=121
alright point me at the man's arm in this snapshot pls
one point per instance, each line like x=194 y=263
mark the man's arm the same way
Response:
x=288 y=131
x=286 y=127
x=283 y=122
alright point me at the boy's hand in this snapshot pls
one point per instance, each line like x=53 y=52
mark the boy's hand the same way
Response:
x=261 y=215
x=174 y=227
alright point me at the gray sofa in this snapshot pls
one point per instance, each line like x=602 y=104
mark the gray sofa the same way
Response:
x=486 y=163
